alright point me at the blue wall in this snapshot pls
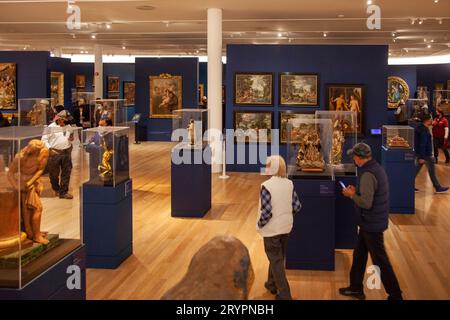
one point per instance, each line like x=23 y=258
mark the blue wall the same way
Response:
x=203 y=74
x=64 y=66
x=33 y=78
x=160 y=129
x=335 y=64
x=88 y=70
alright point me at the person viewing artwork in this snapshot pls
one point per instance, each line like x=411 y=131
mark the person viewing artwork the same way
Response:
x=278 y=204
x=440 y=135
x=371 y=197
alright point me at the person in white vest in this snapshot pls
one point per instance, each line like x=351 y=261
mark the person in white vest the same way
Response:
x=278 y=203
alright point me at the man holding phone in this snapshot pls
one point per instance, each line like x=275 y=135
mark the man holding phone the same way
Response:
x=371 y=197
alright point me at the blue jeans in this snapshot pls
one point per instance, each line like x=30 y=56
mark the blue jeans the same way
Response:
x=429 y=161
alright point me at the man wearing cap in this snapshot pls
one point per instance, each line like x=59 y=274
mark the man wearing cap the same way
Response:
x=58 y=140
x=371 y=197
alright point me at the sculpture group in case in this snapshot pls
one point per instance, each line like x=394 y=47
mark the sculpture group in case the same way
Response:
x=309 y=157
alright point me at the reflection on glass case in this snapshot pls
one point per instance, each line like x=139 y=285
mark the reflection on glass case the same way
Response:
x=36 y=112
x=83 y=98
x=398 y=137
x=106 y=150
x=37 y=227
x=111 y=111
x=309 y=148
x=442 y=101
x=344 y=138
x=194 y=122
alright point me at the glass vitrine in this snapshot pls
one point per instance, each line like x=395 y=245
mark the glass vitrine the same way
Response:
x=344 y=137
x=106 y=156
x=36 y=111
x=442 y=100
x=111 y=111
x=398 y=137
x=40 y=217
x=309 y=148
x=189 y=127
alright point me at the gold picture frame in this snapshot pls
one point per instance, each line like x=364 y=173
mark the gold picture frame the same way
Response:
x=166 y=93
x=57 y=87
x=398 y=90
x=201 y=92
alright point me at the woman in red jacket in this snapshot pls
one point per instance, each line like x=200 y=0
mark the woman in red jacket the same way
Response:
x=440 y=135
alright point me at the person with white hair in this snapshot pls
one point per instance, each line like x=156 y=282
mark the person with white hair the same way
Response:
x=278 y=204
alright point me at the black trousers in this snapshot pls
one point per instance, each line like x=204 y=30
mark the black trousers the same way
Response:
x=275 y=248
x=373 y=243
x=59 y=169
x=439 y=144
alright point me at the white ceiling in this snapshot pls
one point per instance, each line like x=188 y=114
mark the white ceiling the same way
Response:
x=179 y=27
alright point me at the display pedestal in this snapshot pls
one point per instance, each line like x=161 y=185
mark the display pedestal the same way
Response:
x=107 y=224
x=346 y=216
x=312 y=241
x=400 y=169
x=191 y=181
x=52 y=284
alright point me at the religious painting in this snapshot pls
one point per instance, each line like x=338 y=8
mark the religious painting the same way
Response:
x=129 y=92
x=8 y=86
x=348 y=97
x=80 y=81
x=285 y=116
x=253 y=126
x=253 y=89
x=201 y=92
x=165 y=95
x=113 y=87
x=57 y=87
x=298 y=89
x=398 y=91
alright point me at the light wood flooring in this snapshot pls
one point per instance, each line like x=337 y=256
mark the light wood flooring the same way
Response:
x=418 y=245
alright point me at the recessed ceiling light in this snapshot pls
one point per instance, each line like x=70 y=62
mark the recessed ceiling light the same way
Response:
x=108 y=26
x=413 y=21
x=325 y=35
x=439 y=21
x=24 y=48
x=93 y=36
x=429 y=46
x=420 y=21
x=432 y=40
x=145 y=8
x=280 y=35
x=123 y=47
x=425 y=40
x=436 y=1
x=341 y=16
x=369 y=2
x=393 y=34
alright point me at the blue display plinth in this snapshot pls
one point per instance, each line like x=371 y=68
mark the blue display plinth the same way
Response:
x=400 y=168
x=191 y=181
x=312 y=241
x=107 y=224
x=53 y=283
x=346 y=218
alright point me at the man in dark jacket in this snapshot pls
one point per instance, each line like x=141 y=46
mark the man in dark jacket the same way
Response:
x=424 y=152
x=371 y=197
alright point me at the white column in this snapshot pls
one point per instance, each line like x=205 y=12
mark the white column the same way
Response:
x=215 y=82
x=57 y=52
x=98 y=71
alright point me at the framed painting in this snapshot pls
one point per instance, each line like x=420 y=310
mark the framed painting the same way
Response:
x=248 y=126
x=129 y=93
x=57 y=87
x=285 y=116
x=253 y=89
x=398 y=90
x=8 y=86
x=299 y=89
x=422 y=93
x=201 y=92
x=113 y=84
x=80 y=81
x=348 y=97
x=165 y=95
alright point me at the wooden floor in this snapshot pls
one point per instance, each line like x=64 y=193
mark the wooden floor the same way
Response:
x=419 y=245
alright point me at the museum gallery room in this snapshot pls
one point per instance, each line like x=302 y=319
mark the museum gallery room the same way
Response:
x=224 y=150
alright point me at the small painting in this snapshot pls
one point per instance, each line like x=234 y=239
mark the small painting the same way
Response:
x=129 y=92
x=57 y=87
x=165 y=95
x=299 y=89
x=253 y=126
x=253 y=89
x=285 y=116
x=80 y=81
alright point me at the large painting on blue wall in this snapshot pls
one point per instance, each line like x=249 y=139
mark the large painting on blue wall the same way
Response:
x=253 y=89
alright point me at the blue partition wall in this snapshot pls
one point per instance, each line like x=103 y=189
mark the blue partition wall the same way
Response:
x=87 y=69
x=161 y=129
x=335 y=64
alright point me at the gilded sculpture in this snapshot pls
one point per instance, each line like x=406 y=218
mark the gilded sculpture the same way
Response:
x=309 y=156
x=105 y=168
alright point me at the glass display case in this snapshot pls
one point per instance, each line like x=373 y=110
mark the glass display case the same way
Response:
x=83 y=98
x=36 y=111
x=38 y=228
x=442 y=101
x=309 y=148
x=398 y=137
x=422 y=93
x=106 y=156
x=193 y=124
x=344 y=137
x=108 y=110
